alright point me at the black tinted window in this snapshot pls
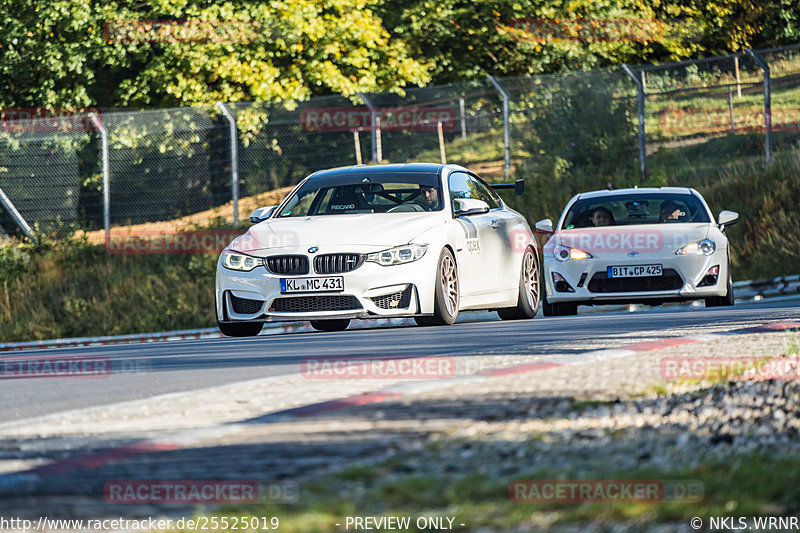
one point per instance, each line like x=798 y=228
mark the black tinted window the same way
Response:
x=635 y=209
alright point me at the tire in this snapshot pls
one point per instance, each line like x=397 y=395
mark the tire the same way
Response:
x=565 y=309
x=547 y=307
x=562 y=309
x=529 y=290
x=426 y=321
x=244 y=329
x=447 y=297
x=339 y=324
x=722 y=301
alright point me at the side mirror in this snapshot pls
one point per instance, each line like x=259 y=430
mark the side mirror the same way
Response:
x=262 y=213
x=545 y=227
x=469 y=206
x=727 y=218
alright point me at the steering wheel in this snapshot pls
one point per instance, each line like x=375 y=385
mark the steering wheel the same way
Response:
x=406 y=208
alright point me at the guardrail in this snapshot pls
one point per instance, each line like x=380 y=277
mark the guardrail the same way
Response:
x=780 y=286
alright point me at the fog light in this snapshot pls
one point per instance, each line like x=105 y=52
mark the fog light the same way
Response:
x=710 y=278
x=561 y=284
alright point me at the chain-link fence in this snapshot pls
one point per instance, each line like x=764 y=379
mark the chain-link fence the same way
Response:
x=665 y=124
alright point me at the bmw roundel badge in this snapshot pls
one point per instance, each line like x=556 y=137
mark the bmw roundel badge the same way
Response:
x=313 y=249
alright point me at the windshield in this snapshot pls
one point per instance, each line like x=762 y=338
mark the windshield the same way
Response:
x=361 y=193
x=635 y=209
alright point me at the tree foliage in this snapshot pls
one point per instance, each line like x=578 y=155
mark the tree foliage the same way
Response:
x=62 y=54
x=465 y=39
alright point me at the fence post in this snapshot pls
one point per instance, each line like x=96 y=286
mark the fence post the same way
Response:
x=9 y=207
x=767 y=105
x=640 y=109
x=234 y=135
x=461 y=109
x=440 y=133
x=377 y=138
x=730 y=106
x=506 y=134
x=357 y=142
x=373 y=126
x=106 y=179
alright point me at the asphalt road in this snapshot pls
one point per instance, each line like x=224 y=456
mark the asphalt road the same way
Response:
x=145 y=370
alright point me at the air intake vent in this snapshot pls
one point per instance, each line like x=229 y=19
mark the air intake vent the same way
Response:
x=398 y=300
x=304 y=304
x=243 y=306
x=670 y=280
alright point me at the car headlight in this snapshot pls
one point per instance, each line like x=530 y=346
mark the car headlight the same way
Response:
x=399 y=255
x=235 y=261
x=704 y=247
x=565 y=253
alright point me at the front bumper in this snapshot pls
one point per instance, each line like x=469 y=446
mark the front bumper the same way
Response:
x=682 y=280
x=370 y=291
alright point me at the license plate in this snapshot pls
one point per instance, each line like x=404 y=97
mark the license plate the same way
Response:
x=635 y=271
x=331 y=284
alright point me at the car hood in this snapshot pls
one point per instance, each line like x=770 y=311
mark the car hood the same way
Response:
x=361 y=232
x=631 y=240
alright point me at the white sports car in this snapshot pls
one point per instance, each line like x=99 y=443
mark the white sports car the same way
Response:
x=378 y=241
x=636 y=246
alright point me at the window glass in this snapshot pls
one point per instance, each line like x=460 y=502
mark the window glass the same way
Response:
x=635 y=209
x=358 y=193
x=461 y=186
x=485 y=193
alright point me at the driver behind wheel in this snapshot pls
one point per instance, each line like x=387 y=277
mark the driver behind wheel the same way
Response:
x=428 y=198
x=671 y=212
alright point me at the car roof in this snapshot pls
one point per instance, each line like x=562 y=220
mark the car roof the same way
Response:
x=422 y=168
x=633 y=190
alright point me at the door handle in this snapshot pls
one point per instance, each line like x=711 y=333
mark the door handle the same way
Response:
x=495 y=223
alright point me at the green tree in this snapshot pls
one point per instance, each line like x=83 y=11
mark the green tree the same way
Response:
x=80 y=53
x=464 y=39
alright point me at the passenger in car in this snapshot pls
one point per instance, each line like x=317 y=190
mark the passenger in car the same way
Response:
x=602 y=217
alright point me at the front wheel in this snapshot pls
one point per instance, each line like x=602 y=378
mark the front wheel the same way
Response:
x=722 y=301
x=447 y=296
x=244 y=329
x=555 y=309
x=339 y=324
x=528 y=299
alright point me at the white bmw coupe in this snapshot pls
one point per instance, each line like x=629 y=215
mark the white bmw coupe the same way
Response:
x=636 y=246
x=378 y=241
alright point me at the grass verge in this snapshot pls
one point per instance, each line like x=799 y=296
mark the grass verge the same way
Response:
x=752 y=485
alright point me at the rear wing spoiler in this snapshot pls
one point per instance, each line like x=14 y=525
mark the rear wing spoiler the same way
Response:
x=518 y=186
